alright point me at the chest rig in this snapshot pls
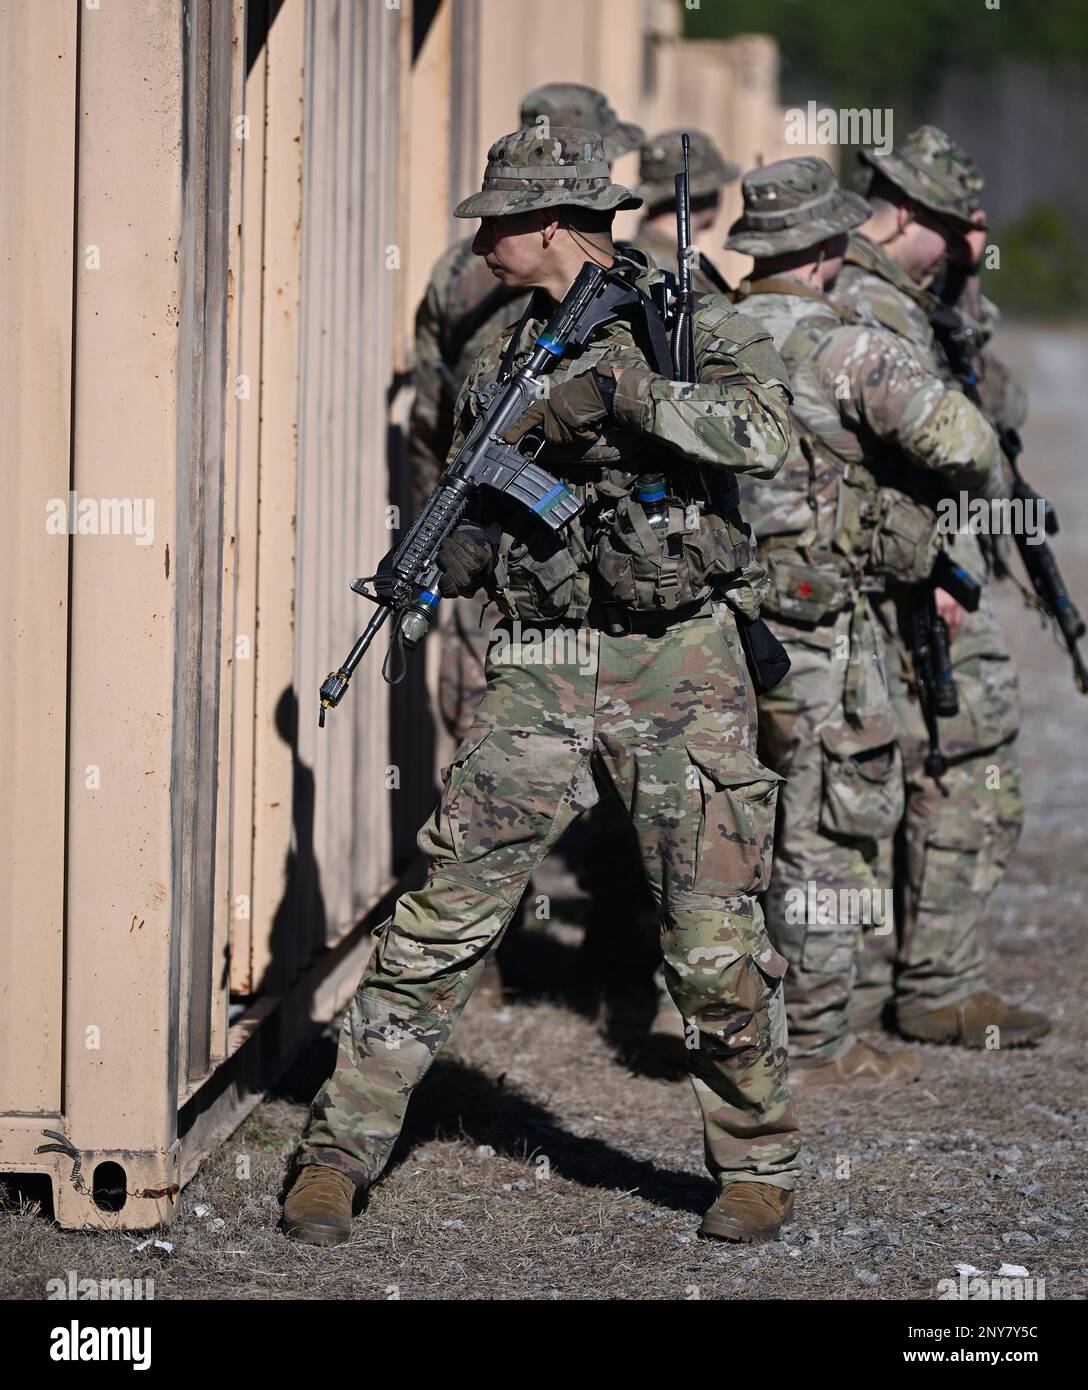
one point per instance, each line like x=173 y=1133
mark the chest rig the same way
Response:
x=656 y=534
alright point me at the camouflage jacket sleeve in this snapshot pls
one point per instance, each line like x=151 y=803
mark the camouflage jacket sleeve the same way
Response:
x=736 y=417
x=879 y=386
x=428 y=425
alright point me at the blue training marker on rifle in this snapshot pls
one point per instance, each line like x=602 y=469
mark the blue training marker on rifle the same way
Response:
x=552 y=345
x=548 y=501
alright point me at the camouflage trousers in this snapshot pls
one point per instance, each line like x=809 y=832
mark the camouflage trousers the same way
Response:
x=665 y=722
x=830 y=730
x=611 y=871
x=952 y=850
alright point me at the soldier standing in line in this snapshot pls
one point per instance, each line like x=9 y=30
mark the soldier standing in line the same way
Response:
x=462 y=310
x=661 y=718
x=956 y=837
x=870 y=427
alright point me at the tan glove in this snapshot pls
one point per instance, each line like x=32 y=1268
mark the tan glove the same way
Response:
x=572 y=411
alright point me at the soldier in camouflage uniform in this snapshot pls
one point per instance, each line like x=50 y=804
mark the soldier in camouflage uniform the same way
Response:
x=832 y=527
x=646 y=699
x=954 y=847
x=463 y=309
x=660 y=160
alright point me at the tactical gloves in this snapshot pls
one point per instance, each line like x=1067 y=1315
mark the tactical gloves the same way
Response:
x=572 y=411
x=465 y=557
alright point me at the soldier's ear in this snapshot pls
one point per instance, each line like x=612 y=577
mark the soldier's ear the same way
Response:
x=549 y=227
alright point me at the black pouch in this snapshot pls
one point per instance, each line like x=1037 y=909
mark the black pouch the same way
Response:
x=768 y=661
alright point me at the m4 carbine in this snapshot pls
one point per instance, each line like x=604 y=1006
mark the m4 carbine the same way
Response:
x=1052 y=597
x=406 y=580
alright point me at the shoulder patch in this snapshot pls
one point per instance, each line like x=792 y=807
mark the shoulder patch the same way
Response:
x=717 y=316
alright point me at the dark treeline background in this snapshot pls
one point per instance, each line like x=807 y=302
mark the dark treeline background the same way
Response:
x=1008 y=81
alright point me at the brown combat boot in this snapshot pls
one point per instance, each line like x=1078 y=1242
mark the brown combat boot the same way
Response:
x=318 y=1207
x=749 y=1211
x=969 y=1021
x=861 y=1062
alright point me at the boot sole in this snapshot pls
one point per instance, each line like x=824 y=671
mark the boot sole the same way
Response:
x=313 y=1233
x=721 y=1228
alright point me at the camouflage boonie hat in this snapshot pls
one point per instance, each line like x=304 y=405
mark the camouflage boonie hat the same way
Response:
x=791 y=205
x=934 y=172
x=663 y=157
x=573 y=106
x=526 y=171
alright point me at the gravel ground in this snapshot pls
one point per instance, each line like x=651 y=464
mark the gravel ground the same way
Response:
x=537 y=1164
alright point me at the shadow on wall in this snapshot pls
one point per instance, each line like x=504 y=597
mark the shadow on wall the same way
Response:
x=299 y=926
x=260 y=16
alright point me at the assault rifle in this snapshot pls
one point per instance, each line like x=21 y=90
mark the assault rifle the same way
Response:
x=405 y=584
x=957 y=341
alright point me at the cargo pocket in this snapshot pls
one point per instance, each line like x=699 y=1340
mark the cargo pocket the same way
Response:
x=863 y=795
x=828 y=948
x=733 y=799
x=463 y=799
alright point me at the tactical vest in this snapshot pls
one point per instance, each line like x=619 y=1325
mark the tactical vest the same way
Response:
x=859 y=530
x=611 y=552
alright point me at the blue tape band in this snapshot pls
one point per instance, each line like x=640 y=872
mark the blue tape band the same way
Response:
x=550 y=498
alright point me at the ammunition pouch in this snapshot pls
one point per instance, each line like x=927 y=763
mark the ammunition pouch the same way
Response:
x=656 y=569
x=905 y=538
x=541 y=579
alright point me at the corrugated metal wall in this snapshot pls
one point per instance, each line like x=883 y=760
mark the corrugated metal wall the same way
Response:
x=352 y=288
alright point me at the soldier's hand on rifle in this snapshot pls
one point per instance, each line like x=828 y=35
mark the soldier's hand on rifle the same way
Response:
x=952 y=612
x=465 y=557
x=572 y=411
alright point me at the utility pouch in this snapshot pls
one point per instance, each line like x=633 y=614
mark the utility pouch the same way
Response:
x=906 y=538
